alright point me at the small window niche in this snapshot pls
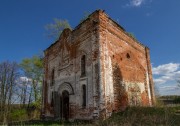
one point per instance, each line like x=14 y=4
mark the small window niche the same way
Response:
x=52 y=99
x=128 y=56
x=83 y=96
x=83 y=65
x=52 y=77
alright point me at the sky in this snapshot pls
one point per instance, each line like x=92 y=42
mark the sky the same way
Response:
x=155 y=23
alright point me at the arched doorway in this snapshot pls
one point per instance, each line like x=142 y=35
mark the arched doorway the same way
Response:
x=65 y=105
x=65 y=90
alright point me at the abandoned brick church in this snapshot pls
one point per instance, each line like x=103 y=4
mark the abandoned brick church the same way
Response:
x=95 y=70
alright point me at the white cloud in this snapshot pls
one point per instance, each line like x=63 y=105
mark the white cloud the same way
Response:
x=166 y=72
x=136 y=3
x=166 y=69
x=168 y=88
x=166 y=76
x=24 y=79
x=159 y=81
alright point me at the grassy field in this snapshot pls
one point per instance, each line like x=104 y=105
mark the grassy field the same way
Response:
x=134 y=116
x=144 y=116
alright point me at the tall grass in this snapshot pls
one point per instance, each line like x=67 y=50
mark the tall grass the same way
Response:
x=144 y=116
x=132 y=116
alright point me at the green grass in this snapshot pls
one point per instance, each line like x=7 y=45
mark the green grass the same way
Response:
x=134 y=116
x=49 y=123
x=159 y=116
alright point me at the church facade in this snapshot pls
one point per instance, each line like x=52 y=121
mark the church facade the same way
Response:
x=95 y=70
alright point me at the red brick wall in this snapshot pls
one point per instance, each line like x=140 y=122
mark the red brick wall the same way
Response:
x=117 y=68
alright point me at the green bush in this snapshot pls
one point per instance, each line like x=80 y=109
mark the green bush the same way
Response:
x=18 y=115
x=177 y=100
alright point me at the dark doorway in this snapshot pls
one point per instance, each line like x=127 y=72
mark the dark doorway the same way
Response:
x=65 y=105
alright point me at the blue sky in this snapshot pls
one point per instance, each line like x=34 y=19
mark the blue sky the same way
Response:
x=155 y=23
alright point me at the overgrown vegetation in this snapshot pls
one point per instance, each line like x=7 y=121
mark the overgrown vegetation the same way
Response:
x=134 y=116
x=145 y=116
x=131 y=35
x=55 y=29
x=20 y=89
x=8 y=75
x=85 y=16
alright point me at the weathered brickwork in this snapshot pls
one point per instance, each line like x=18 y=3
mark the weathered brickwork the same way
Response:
x=94 y=70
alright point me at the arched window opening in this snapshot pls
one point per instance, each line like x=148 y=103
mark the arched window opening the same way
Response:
x=52 y=78
x=83 y=65
x=84 y=95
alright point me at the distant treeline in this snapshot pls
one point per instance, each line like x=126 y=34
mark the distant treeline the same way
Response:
x=173 y=99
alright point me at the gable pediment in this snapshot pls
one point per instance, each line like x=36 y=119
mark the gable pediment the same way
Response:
x=65 y=35
x=65 y=47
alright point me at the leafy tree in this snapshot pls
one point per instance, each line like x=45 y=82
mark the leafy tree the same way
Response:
x=33 y=69
x=22 y=89
x=86 y=15
x=8 y=76
x=55 y=29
